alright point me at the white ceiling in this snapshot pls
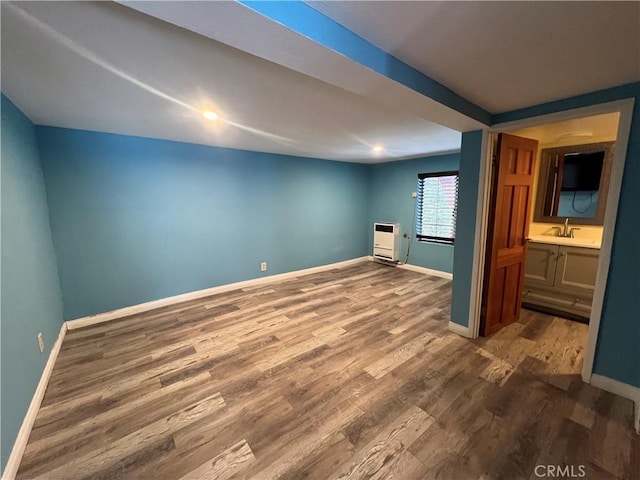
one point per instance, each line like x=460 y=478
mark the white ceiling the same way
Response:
x=504 y=55
x=104 y=67
x=149 y=69
x=240 y=27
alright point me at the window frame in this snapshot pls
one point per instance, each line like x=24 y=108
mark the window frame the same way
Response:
x=420 y=208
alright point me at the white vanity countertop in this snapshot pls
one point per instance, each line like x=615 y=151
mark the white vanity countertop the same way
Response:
x=573 y=242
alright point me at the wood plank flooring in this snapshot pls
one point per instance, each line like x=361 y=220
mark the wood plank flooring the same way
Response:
x=348 y=373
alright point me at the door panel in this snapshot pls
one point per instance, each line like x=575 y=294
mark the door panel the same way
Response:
x=511 y=296
x=508 y=229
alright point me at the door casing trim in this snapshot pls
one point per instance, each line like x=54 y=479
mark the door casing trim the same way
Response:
x=625 y=108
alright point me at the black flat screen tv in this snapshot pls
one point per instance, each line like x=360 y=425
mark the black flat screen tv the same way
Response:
x=582 y=171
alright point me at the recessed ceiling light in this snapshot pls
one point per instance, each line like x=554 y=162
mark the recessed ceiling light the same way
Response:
x=378 y=148
x=209 y=115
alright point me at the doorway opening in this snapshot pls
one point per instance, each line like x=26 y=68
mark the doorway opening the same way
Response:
x=565 y=262
x=571 y=184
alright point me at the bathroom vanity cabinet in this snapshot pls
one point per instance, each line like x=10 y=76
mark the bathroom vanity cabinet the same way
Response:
x=560 y=278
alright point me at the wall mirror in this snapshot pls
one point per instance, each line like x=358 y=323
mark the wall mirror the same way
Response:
x=573 y=183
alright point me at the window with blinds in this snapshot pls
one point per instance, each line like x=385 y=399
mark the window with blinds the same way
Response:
x=437 y=207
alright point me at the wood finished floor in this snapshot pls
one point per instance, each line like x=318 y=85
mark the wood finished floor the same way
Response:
x=348 y=373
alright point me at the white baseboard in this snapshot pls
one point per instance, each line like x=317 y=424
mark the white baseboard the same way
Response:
x=20 y=444
x=419 y=269
x=459 y=329
x=621 y=389
x=144 y=307
x=615 y=386
x=426 y=271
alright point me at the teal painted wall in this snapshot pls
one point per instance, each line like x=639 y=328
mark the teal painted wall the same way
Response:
x=30 y=299
x=465 y=226
x=137 y=219
x=391 y=186
x=578 y=204
x=618 y=348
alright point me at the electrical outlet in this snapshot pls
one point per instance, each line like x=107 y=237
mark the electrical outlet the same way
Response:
x=263 y=266
x=40 y=342
x=414 y=194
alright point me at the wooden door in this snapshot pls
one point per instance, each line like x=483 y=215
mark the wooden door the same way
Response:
x=510 y=207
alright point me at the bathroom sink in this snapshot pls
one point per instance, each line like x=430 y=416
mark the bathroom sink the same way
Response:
x=574 y=242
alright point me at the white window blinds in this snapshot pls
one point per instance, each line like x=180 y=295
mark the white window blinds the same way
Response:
x=437 y=206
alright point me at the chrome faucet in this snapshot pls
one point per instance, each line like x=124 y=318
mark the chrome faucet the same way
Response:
x=565 y=231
